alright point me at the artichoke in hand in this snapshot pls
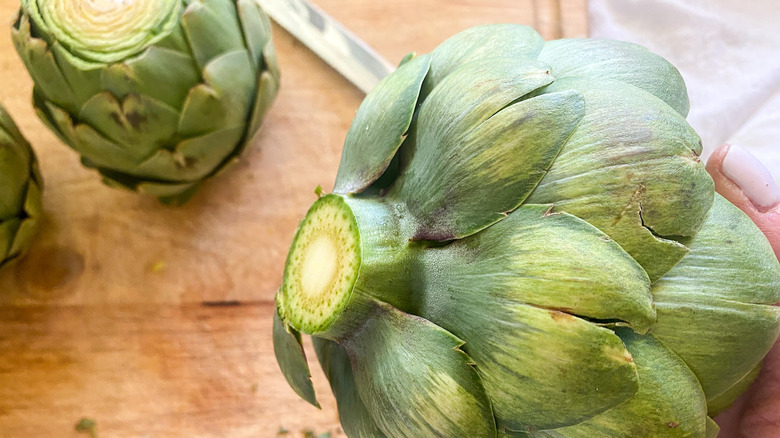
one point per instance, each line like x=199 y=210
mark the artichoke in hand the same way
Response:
x=20 y=191
x=157 y=95
x=522 y=241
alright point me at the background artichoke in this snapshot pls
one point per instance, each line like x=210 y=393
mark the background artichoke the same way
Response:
x=20 y=191
x=524 y=242
x=158 y=95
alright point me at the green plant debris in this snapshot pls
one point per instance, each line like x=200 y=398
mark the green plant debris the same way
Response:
x=87 y=426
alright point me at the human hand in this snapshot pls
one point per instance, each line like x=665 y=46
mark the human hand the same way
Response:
x=744 y=181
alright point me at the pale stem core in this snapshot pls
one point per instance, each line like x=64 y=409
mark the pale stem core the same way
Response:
x=106 y=26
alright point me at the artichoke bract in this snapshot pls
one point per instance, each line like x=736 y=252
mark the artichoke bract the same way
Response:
x=157 y=95
x=20 y=191
x=523 y=241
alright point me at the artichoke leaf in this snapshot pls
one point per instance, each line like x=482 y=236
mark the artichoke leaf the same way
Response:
x=462 y=182
x=380 y=126
x=268 y=87
x=355 y=419
x=669 y=402
x=597 y=60
x=257 y=29
x=83 y=77
x=164 y=73
x=92 y=145
x=15 y=162
x=712 y=428
x=720 y=340
x=510 y=40
x=736 y=256
x=139 y=124
x=553 y=261
x=192 y=159
x=212 y=29
x=414 y=379
x=8 y=230
x=168 y=193
x=40 y=62
x=292 y=360
x=33 y=209
x=725 y=399
x=631 y=169
x=721 y=324
x=224 y=100
x=568 y=370
x=503 y=291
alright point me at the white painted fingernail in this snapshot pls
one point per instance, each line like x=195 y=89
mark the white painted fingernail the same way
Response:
x=752 y=177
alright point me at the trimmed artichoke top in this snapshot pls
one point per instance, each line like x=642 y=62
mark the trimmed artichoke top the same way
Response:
x=523 y=241
x=157 y=95
x=20 y=191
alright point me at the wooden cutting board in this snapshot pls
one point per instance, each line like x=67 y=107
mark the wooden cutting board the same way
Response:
x=155 y=321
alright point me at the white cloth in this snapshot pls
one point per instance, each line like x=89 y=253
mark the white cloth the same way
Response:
x=728 y=52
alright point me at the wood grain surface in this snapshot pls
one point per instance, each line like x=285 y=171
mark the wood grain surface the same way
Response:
x=155 y=321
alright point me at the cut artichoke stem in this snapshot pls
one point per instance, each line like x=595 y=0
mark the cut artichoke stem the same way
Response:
x=322 y=266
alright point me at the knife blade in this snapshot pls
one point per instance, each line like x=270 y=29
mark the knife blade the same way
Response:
x=330 y=40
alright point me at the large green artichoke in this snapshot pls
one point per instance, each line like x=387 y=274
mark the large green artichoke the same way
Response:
x=20 y=191
x=524 y=242
x=157 y=95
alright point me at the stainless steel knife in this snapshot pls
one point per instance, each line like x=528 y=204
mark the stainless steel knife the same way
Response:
x=330 y=40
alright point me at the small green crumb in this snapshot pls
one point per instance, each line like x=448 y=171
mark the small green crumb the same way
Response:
x=158 y=266
x=308 y=433
x=87 y=425
x=282 y=432
x=318 y=191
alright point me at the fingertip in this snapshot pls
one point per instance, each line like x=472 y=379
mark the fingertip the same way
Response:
x=746 y=183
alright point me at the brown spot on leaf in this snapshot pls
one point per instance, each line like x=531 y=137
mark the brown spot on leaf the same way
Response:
x=673 y=424
x=560 y=316
x=135 y=119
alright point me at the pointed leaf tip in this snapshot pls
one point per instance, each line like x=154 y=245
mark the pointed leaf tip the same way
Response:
x=380 y=126
x=292 y=360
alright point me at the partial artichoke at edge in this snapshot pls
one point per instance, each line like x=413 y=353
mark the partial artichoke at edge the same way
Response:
x=20 y=191
x=157 y=95
x=523 y=241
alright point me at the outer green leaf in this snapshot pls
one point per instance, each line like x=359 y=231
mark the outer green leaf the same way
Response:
x=380 y=126
x=725 y=399
x=267 y=89
x=140 y=124
x=465 y=175
x=192 y=159
x=712 y=428
x=33 y=210
x=415 y=380
x=632 y=169
x=8 y=228
x=292 y=360
x=669 y=403
x=15 y=162
x=225 y=99
x=477 y=43
x=554 y=261
x=212 y=28
x=20 y=191
x=713 y=306
x=256 y=27
x=597 y=60
x=355 y=418
x=542 y=368
x=40 y=62
x=165 y=74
